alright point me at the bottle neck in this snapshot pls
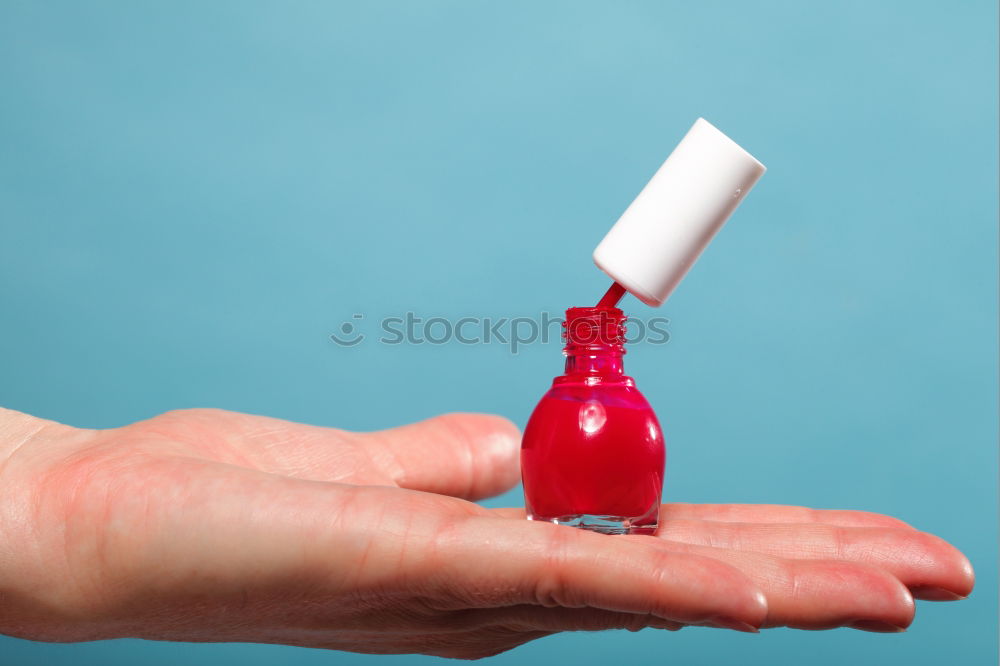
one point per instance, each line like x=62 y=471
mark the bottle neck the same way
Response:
x=595 y=342
x=597 y=364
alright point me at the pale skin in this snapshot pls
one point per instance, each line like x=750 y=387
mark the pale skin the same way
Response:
x=205 y=525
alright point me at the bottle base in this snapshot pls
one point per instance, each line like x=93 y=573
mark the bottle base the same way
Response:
x=602 y=524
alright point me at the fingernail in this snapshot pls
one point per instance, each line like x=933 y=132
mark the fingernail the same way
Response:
x=733 y=623
x=931 y=593
x=666 y=624
x=877 y=626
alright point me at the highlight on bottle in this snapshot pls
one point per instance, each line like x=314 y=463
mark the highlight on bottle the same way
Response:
x=515 y=333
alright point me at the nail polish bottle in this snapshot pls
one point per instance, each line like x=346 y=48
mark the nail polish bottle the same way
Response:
x=593 y=454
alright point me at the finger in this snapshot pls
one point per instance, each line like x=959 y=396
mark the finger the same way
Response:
x=757 y=513
x=931 y=567
x=819 y=594
x=553 y=566
x=776 y=513
x=464 y=455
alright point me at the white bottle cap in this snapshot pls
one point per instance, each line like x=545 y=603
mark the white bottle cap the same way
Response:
x=659 y=237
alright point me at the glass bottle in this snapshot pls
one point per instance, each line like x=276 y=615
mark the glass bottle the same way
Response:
x=592 y=455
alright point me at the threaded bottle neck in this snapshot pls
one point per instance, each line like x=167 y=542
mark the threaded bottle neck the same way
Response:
x=595 y=341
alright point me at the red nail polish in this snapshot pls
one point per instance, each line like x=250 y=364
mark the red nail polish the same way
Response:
x=593 y=454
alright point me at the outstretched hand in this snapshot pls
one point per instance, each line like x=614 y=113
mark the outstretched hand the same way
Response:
x=205 y=525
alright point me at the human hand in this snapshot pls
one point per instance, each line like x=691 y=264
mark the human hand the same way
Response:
x=205 y=525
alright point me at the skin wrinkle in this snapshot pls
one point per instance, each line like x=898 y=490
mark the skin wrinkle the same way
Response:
x=421 y=563
x=343 y=462
x=812 y=516
x=37 y=426
x=911 y=557
x=404 y=549
x=795 y=580
x=611 y=561
x=362 y=563
x=448 y=543
x=838 y=542
x=661 y=577
x=204 y=429
x=348 y=462
x=923 y=560
x=388 y=460
x=548 y=583
x=273 y=441
x=306 y=457
x=442 y=544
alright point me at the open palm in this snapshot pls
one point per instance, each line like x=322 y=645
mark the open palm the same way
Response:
x=205 y=525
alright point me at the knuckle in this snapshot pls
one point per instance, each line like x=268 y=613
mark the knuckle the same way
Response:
x=550 y=582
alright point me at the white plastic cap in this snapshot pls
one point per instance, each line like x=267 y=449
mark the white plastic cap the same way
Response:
x=660 y=236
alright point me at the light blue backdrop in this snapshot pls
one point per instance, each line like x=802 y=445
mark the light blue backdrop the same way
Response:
x=194 y=195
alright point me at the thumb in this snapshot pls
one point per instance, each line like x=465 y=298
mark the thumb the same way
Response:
x=464 y=455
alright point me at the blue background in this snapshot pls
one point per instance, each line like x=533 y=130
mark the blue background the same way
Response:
x=194 y=196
